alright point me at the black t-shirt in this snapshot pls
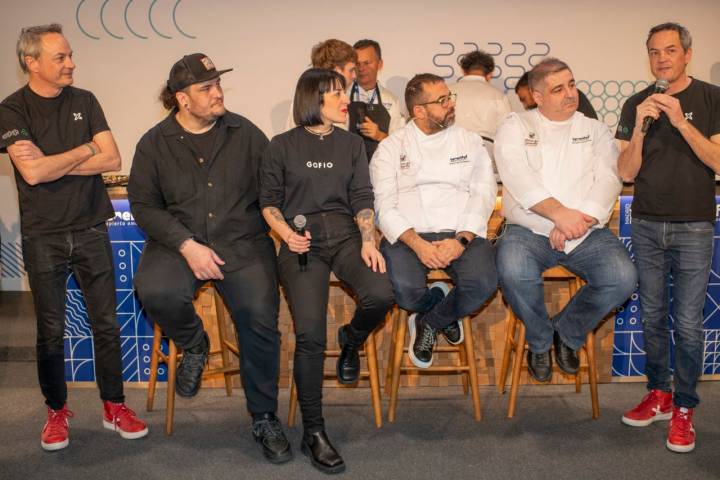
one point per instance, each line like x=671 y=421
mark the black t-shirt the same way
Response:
x=301 y=174
x=673 y=185
x=204 y=142
x=56 y=125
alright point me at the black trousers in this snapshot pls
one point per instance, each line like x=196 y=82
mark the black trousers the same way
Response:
x=335 y=246
x=48 y=260
x=166 y=287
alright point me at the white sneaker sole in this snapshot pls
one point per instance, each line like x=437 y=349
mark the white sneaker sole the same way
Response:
x=679 y=448
x=51 y=447
x=649 y=421
x=416 y=361
x=124 y=434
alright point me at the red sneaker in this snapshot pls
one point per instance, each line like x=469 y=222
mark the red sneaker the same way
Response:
x=121 y=419
x=681 y=435
x=656 y=405
x=56 y=432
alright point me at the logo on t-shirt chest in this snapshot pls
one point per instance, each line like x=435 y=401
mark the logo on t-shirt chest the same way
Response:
x=77 y=116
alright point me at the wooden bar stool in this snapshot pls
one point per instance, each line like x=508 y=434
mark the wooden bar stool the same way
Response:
x=516 y=347
x=369 y=352
x=225 y=347
x=465 y=362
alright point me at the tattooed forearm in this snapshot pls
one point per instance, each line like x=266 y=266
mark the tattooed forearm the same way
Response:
x=276 y=214
x=366 y=223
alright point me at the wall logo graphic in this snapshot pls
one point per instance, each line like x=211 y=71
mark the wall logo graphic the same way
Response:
x=511 y=59
x=608 y=97
x=134 y=30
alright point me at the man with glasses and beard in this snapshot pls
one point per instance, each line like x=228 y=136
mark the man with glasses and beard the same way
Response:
x=434 y=194
x=560 y=183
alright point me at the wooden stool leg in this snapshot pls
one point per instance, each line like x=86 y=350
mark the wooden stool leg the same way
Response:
x=172 y=371
x=516 y=367
x=394 y=316
x=399 y=339
x=508 y=349
x=222 y=337
x=372 y=363
x=592 y=374
x=462 y=361
x=470 y=355
x=292 y=407
x=154 y=361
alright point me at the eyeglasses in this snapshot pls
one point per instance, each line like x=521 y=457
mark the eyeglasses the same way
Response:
x=443 y=101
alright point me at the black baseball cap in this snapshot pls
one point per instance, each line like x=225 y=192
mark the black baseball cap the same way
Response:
x=194 y=68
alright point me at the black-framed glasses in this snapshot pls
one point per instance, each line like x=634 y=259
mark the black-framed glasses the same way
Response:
x=443 y=101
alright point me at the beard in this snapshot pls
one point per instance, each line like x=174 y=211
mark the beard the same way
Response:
x=437 y=123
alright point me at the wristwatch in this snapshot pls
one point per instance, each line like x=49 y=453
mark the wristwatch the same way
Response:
x=463 y=240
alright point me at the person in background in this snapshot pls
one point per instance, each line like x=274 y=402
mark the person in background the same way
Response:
x=315 y=194
x=59 y=143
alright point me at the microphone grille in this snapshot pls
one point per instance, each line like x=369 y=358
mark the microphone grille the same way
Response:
x=662 y=85
x=299 y=221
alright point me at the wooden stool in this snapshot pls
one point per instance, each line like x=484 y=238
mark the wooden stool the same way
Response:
x=369 y=351
x=465 y=363
x=519 y=346
x=225 y=348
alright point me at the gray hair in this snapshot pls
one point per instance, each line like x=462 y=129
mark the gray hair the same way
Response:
x=29 y=43
x=683 y=33
x=548 y=66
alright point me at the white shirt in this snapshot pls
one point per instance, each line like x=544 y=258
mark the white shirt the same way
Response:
x=432 y=183
x=480 y=107
x=574 y=161
x=389 y=101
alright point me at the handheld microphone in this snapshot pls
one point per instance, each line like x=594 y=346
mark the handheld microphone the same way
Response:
x=299 y=223
x=661 y=86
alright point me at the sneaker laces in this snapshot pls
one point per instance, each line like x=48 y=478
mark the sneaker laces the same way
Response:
x=269 y=428
x=123 y=412
x=681 y=423
x=57 y=420
x=651 y=398
x=427 y=337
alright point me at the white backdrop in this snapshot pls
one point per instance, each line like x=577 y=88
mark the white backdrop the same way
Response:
x=125 y=48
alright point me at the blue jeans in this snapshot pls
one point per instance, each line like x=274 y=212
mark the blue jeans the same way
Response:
x=473 y=274
x=601 y=260
x=48 y=260
x=683 y=250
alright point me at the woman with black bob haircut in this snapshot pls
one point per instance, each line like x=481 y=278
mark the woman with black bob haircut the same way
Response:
x=315 y=177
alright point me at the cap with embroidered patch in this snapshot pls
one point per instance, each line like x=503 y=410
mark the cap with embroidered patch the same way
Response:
x=190 y=69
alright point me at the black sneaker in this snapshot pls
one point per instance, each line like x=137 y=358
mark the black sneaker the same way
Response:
x=189 y=372
x=422 y=341
x=271 y=439
x=540 y=366
x=453 y=332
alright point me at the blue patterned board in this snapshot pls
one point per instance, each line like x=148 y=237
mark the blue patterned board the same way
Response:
x=136 y=330
x=628 y=350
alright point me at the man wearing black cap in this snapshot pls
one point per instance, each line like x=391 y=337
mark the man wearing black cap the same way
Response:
x=193 y=190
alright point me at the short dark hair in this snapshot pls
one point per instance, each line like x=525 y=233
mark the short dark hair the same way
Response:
x=477 y=59
x=546 y=67
x=332 y=53
x=522 y=82
x=365 y=43
x=415 y=91
x=683 y=33
x=29 y=42
x=311 y=86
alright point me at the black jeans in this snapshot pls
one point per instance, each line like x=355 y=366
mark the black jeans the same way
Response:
x=335 y=246
x=166 y=287
x=48 y=260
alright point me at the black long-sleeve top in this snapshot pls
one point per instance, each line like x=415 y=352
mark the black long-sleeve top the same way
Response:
x=301 y=174
x=176 y=193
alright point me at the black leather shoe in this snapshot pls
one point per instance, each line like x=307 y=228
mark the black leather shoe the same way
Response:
x=323 y=455
x=348 y=364
x=565 y=356
x=540 y=365
x=189 y=372
x=271 y=439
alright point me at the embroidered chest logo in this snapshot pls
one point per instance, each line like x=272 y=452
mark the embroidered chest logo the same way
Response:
x=459 y=159
x=531 y=140
x=319 y=164
x=688 y=115
x=77 y=116
x=583 y=139
x=404 y=162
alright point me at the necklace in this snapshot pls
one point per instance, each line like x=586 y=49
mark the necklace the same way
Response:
x=322 y=135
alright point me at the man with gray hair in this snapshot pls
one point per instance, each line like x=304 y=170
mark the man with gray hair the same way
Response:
x=670 y=145
x=59 y=143
x=560 y=183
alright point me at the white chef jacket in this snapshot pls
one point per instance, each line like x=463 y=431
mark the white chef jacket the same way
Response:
x=480 y=107
x=390 y=102
x=432 y=183
x=574 y=161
